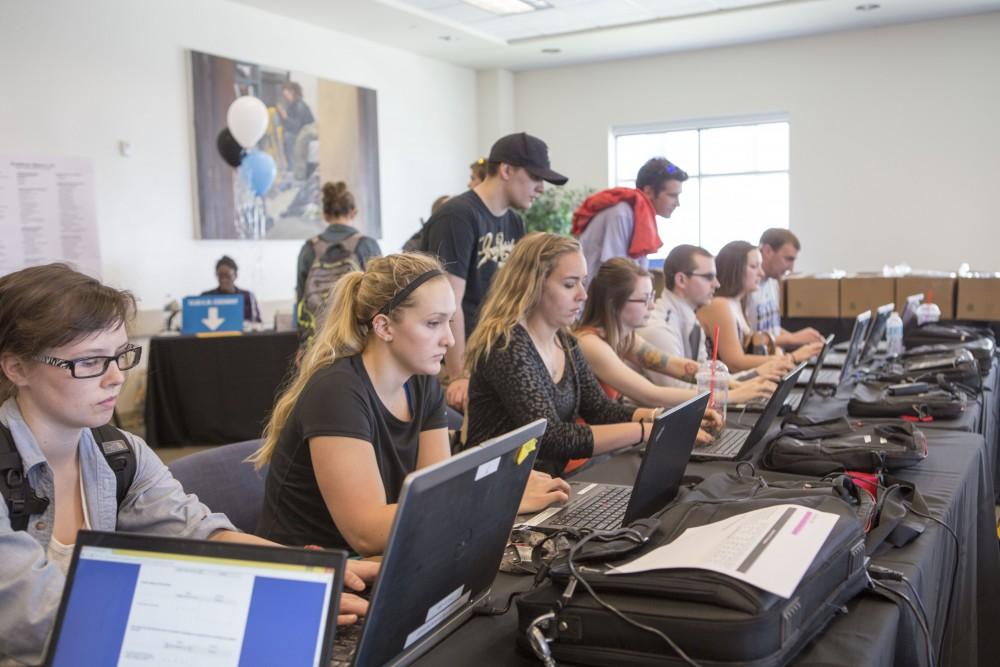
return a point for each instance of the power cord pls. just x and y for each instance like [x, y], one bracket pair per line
[892, 593]
[606, 536]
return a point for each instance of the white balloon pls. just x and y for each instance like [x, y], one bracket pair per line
[247, 120]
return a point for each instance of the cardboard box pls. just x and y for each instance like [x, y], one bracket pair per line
[812, 296]
[865, 291]
[940, 288]
[979, 298]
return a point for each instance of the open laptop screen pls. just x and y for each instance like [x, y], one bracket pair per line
[876, 331]
[183, 602]
[909, 316]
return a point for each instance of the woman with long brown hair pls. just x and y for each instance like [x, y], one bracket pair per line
[365, 410]
[739, 272]
[619, 301]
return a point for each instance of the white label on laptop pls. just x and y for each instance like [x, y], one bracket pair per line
[770, 548]
[883, 441]
[487, 469]
[438, 613]
[868, 440]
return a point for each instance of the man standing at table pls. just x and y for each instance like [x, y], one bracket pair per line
[779, 249]
[474, 232]
[621, 222]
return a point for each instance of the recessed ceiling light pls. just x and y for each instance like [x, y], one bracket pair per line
[868, 7]
[551, 50]
[445, 38]
[504, 7]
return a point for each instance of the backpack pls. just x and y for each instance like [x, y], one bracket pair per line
[332, 262]
[20, 497]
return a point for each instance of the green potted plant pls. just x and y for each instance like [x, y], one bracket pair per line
[553, 210]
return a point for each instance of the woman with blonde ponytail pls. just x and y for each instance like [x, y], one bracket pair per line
[525, 364]
[365, 410]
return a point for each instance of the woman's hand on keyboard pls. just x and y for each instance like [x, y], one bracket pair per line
[352, 607]
[543, 490]
[704, 438]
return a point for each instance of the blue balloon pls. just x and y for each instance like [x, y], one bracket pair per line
[258, 171]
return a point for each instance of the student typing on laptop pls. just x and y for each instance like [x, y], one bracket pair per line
[619, 301]
[365, 410]
[739, 273]
[64, 355]
[525, 365]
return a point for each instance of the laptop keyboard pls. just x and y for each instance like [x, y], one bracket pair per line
[602, 511]
[726, 445]
[345, 644]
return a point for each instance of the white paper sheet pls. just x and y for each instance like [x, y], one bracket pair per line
[769, 548]
[48, 213]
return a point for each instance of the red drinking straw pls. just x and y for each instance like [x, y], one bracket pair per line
[715, 356]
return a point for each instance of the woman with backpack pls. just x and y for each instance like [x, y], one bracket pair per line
[325, 258]
[64, 355]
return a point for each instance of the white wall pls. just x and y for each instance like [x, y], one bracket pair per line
[895, 132]
[79, 76]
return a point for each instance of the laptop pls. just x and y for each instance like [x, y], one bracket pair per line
[909, 315]
[610, 506]
[736, 443]
[797, 397]
[876, 332]
[832, 377]
[133, 599]
[444, 550]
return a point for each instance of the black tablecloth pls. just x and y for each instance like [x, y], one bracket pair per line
[214, 390]
[957, 485]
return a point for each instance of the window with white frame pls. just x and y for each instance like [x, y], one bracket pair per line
[738, 184]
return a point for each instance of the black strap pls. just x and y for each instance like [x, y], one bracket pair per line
[22, 501]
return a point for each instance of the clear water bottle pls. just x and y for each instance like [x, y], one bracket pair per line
[894, 334]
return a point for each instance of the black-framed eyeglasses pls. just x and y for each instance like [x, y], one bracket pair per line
[707, 276]
[92, 367]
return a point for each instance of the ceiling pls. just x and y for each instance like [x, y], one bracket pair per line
[592, 30]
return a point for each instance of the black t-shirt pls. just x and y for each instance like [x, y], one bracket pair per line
[471, 243]
[339, 400]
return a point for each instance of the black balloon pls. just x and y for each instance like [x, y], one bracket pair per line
[230, 151]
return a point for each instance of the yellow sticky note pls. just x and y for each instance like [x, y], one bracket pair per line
[526, 449]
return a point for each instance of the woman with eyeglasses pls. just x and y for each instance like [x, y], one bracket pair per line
[619, 301]
[739, 274]
[365, 410]
[64, 356]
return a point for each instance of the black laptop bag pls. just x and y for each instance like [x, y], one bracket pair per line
[934, 333]
[954, 365]
[839, 445]
[983, 350]
[715, 619]
[941, 400]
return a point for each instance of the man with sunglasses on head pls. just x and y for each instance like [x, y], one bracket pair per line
[689, 283]
[621, 222]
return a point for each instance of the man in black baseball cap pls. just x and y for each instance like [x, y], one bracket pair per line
[474, 232]
[524, 150]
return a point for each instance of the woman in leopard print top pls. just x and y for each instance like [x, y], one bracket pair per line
[524, 364]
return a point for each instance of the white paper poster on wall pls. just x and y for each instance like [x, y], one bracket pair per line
[48, 213]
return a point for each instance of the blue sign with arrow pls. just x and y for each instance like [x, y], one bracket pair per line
[213, 314]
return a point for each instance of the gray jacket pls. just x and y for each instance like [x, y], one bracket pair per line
[30, 586]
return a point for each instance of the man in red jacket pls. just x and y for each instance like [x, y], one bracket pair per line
[621, 222]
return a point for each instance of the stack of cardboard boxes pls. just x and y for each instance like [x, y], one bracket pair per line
[826, 295]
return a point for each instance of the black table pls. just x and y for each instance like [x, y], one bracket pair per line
[957, 485]
[214, 390]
